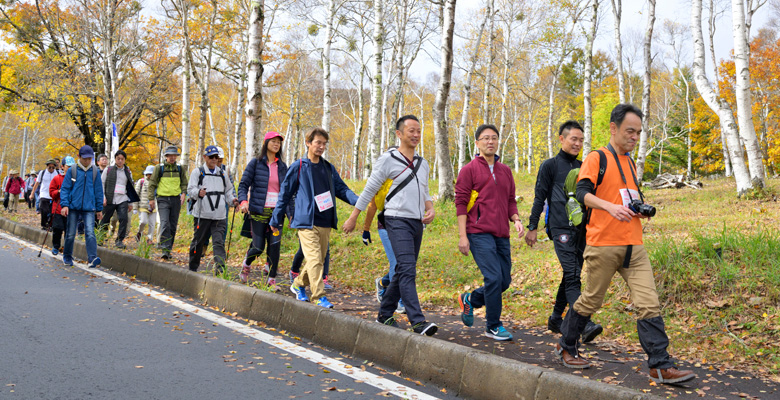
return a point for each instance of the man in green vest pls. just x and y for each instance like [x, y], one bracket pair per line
[168, 185]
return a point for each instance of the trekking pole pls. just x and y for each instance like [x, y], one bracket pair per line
[230, 235]
[46, 236]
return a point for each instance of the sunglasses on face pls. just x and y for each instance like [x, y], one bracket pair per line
[213, 157]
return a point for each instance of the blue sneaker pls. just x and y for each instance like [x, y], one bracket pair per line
[300, 292]
[67, 261]
[95, 262]
[54, 251]
[466, 311]
[498, 334]
[326, 285]
[400, 309]
[323, 302]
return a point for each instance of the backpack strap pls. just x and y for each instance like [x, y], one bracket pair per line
[405, 181]
[602, 171]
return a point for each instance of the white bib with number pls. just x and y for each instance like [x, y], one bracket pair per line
[271, 198]
[324, 201]
[626, 199]
[120, 189]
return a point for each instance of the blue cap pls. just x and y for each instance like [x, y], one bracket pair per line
[69, 161]
[211, 151]
[86, 152]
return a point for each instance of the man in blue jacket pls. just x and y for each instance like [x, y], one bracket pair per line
[81, 197]
[315, 184]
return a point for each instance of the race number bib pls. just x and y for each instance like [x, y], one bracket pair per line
[120, 189]
[324, 201]
[626, 199]
[271, 198]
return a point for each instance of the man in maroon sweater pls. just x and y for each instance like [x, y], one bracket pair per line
[484, 229]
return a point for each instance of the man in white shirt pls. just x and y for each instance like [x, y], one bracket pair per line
[44, 180]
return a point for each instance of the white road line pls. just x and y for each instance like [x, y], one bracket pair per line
[350, 371]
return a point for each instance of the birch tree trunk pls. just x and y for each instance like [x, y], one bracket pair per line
[358, 126]
[505, 83]
[374, 113]
[648, 56]
[464, 116]
[717, 104]
[23, 158]
[185, 96]
[491, 58]
[747, 130]
[446, 188]
[617, 12]
[326, 90]
[254, 105]
[551, 107]
[716, 75]
[590, 38]
[239, 123]
[689, 114]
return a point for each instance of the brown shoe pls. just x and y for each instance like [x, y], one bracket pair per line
[670, 375]
[570, 361]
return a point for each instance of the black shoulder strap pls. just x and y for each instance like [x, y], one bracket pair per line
[602, 167]
[200, 178]
[405, 181]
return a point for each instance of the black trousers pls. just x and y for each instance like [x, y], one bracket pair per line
[45, 212]
[569, 249]
[406, 237]
[263, 239]
[58, 227]
[121, 211]
[205, 229]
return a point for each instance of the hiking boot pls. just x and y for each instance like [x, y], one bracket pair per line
[55, 251]
[266, 269]
[165, 256]
[138, 237]
[323, 302]
[326, 285]
[243, 276]
[499, 333]
[95, 262]
[591, 331]
[554, 323]
[671, 375]
[425, 328]
[380, 290]
[293, 275]
[568, 360]
[389, 321]
[219, 270]
[400, 309]
[120, 245]
[271, 283]
[67, 261]
[300, 292]
[466, 311]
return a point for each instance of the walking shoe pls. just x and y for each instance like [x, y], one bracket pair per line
[266, 269]
[67, 261]
[327, 286]
[120, 245]
[165, 256]
[389, 321]
[54, 251]
[380, 290]
[138, 237]
[670, 375]
[568, 360]
[271, 283]
[591, 331]
[243, 276]
[219, 270]
[425, 328]
[466, 311]
[323, 302]
[400, 309]
[300, 292]
[554, 323]
[499, 333]
[95, 262]
[293, 275]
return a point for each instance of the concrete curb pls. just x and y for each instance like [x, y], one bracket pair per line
[443, 363]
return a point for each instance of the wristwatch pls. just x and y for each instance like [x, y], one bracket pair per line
[531, 227]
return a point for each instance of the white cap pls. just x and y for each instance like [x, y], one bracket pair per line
[221, 153]
[149, 170]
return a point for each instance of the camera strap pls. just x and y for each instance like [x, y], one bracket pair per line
[623, 176]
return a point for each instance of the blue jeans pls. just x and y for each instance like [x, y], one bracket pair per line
[494, 259]
[405, 234]
[390, 257]
[89, 231]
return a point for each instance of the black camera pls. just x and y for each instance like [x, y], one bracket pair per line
[638, 207]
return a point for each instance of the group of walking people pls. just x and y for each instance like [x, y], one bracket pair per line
[588, 207]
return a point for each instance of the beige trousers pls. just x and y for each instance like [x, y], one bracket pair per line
[314, 243]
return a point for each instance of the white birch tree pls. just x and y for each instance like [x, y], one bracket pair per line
[648, 57]
[446, 177]
[254, 105]
[375, 112]
[590, 35]
[617, 13]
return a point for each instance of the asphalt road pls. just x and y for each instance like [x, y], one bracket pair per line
[69, 333]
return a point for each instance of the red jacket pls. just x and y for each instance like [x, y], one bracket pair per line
[54, 192]
[496, 201]
[14, 186]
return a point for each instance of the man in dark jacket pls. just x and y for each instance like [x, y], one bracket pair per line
[81, 196]
[569, 242]
[483, 227]
[315, 184]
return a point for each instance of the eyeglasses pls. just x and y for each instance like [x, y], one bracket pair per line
[214, 156]
[489, 138]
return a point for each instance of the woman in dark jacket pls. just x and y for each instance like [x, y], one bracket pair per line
[258, 193]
